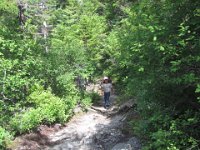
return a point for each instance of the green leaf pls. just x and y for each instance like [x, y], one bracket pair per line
[162, 48]
[198, 89]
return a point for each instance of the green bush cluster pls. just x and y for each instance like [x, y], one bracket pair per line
[156, 60]
[164, 131]
[86, 101]
[47, 109]
[5, 138]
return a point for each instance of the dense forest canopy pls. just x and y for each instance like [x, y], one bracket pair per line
[150, 48]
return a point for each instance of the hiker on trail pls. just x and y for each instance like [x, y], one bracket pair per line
[107, 88]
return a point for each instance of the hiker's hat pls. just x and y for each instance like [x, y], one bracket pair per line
[105, 78]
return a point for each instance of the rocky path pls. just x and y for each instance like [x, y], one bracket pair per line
[98, 129]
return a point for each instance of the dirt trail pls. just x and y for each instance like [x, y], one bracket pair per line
[98, 129]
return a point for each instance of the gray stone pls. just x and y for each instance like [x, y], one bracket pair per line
[135, 143]
[131, 144]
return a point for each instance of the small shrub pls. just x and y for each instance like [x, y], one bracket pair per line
[87, 101]
[52, 108]
[55, 110]
[70, 102]
[162, 131]
[48, 109]
[27, 120]
[5, 138]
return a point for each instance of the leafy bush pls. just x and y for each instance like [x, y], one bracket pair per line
[161, 130]
[87, 101]
[159, 65]
[47, 109]
[27, 120]
[5, 138]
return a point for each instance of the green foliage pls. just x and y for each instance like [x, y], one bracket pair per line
[162, 130]
[52, 108]
[23, 122]
[86, 101]
[8, 11]
[47, 109]
[5, 138]
[78, 39]
[157, 62]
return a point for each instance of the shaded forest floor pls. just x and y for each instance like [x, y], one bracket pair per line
[96, 129]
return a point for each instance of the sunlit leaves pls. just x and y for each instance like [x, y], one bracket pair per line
[159, 53]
